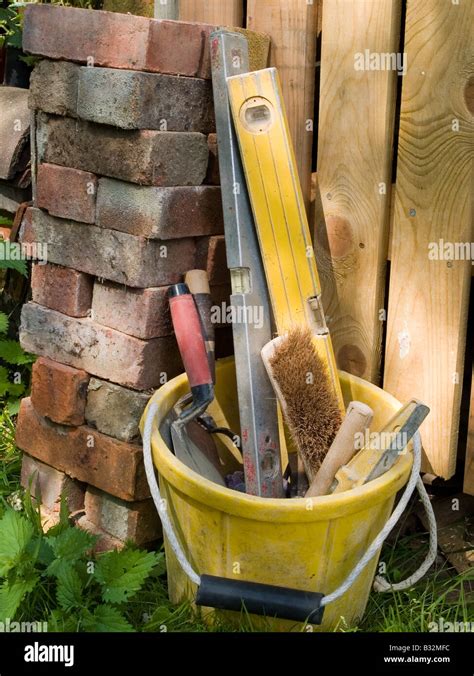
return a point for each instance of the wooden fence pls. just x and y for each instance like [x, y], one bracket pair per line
[394, 173]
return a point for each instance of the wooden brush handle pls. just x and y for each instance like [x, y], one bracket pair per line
[357, 420]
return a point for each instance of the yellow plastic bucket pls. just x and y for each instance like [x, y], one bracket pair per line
[298, 543]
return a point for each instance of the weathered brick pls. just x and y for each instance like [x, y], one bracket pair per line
[212, 175]
[147, 157]
[143, 313]
[211, 256]
[115, 410]
[137, 521]
[100, 351]
[117, 40]
[66, 192]
[109, 254]
[159, 213]
[53, 87]
[100, 38]
[48, 485]
[59, 392]
[62, 289]
[84, 454]
[15, 132]
[132, 100]
[179, 48]
[104, 542]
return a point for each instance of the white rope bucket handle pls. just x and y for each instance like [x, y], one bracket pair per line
[380, 583]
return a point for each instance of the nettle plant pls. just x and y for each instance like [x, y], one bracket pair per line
[15, 363]
[56, 572]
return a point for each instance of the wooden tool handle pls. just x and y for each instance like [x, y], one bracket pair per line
[197, 281]
[189, 336]
[357, 420]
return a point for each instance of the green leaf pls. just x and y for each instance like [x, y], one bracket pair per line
[11, 596]
[13, 389]
[3, 322]
[12, 352]
[11, 258]
[15, 534]
[123, 573]
[61, 622]
[69, 591]
[68, 547]
[106, 618]
[13, 406]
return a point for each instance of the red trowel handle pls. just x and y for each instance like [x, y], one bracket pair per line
[192, 346]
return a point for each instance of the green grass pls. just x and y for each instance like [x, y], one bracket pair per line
[441, 594]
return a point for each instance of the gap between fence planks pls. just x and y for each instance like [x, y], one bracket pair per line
[215, 12]
[469, 467]
[292, 26]
[428, 299]
[357, 109]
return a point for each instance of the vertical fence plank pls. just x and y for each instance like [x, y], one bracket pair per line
[428, 297]
[292, 26]
[217, 12]
[357, 108]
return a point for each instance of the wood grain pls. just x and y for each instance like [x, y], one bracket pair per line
[215, 12]
[292, 26]
[469, 467]
[428, 299]
[356, 117]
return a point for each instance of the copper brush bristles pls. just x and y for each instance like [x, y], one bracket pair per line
[309, 405]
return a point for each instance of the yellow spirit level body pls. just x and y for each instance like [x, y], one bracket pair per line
[279, 211]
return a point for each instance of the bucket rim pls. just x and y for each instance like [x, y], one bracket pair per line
[323, 508]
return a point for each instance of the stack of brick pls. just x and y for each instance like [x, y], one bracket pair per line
[124, 203]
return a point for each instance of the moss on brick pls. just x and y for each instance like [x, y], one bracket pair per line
[139, 7]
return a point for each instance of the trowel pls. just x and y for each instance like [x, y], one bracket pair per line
[191, 443]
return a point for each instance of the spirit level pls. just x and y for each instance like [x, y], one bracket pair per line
[278, 208]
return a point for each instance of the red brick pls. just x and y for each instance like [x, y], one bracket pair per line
[143, 313]
[179, 48]
[137, 521]
[117, 40]
[48, 484]
[108, 39]
[65, 192]
[59, 392]
[62, 289]
[84, 454]
[213, 176]
[211, 256]
[102, 352]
